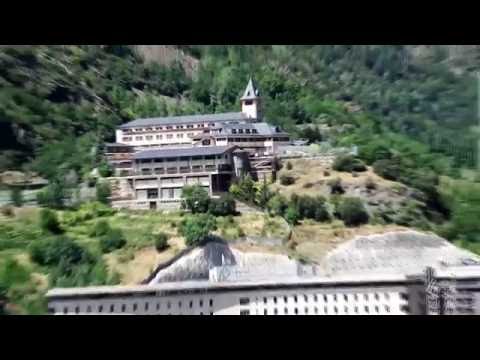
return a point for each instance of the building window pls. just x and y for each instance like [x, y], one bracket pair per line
[315, 298]
[158, 128]
[306, 310]
[234, 131]
[335, 309]
[377, 297]
[295, 298]
[244, 301]
[169, 305]
[265, 312]
[366, 309]
[244, 312]
[179, 135]
[146, 306]
[376, 309]
[345, 297]
[201, 303]
[89, 309]
[65, 310]
[139, 138]
[179, 304]
[149, 137]
[365, 296]
[134, 307]
[335, 297]
[77, 309]
[191, 304]
[345, 309]
[275, 311]
[296, 311]
[355, 297]
[100, 308]
[325, 298]
[285, 311]
[169, 128]
[112, 308]
[355, 309]
[169, 136]
[285, 299]
[325, 310]
[305, 298]
[315, 309]
[189, 126]
[240, 131]
[387, 296]
[123, 308]
[274, 299]
[159, 137]
[264, 300]
[126, 139]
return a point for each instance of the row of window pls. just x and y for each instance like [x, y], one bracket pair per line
[315, 298]
[122, 308]
[182, 169]
[182, 158]
[157, 137]
[317, 310]
[247, 131]
[168, 127]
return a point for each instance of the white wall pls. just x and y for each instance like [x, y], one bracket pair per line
[384, 300]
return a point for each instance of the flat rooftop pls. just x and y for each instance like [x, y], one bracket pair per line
[185, 119]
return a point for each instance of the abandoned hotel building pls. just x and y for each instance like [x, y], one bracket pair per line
[154, 158]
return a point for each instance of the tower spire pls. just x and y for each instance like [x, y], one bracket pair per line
[251, 101]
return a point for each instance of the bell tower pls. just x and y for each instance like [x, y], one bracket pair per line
[252, 102]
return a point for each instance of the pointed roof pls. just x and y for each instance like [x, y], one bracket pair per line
[251, 91]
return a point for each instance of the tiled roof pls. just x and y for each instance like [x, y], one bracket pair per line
[178, 152]
[251, 91]
[185, 119]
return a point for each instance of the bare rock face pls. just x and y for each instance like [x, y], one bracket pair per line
[195, 265]
[406, 252]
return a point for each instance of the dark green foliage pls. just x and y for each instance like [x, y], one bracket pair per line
[292, 215]
[100, 228]
[352, 212]
[289, 165]
[277, 205]
[53, 195]
[286, 180]
[312, 134]
[7, 210]
[336, 186]
[103, 192]
[58, 250]
[16, 196]
[49, 221]
[311, 207]
[195, 199]
[348, 163]
[244, 189]
[161, 241]
[223, 206]
[196, 228]
[388, 169]
[370, 184]
[104, 169]
[112, 240]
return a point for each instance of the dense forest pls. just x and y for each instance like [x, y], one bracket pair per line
[413, 121]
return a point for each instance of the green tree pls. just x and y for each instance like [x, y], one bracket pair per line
[286, 180]
[195, 198]
[16, 196]
[55, 250]
[103, 192]
[223, 206]
[161, 241]
[53, 196]
[352, 212]
[112, 240]
[348, 163]
[292, 215]
[277, 205]
[49, 221]
[104, 169]
[196, 228]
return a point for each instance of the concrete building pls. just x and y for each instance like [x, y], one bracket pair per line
[156, 177]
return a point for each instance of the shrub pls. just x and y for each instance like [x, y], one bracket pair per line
[100, 228]
[326, 173]
[389, 169]
[348, 163]
[370, 184]
[195, 198]
[244, 189]
[292, 215]
[104, 169]
[112, 240]
[161, 241]
[277, 205]
[336, 186]
[56, 250]
[103, 192]
[289, 165]
[7, 211]
[16, 196]
[49, 221]
[196, 228]
[286, 180]
[223, 206]
[53, 195]
[352, 212]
